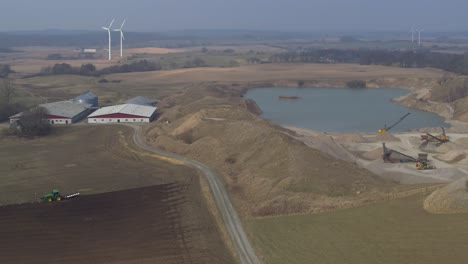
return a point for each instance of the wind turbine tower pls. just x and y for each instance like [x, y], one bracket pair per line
[110, 38]
[122, 37]
[419, 36]
[412, 34]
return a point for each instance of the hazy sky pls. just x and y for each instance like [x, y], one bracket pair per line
[283, 15]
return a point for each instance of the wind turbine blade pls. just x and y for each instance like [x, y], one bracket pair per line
[116, 30]
[111, 23]
[122, 35]
[123, 23]
[105, 28]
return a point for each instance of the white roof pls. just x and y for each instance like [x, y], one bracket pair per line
[129, 109]
[65, 108]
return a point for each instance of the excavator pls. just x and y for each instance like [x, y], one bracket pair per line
[385, 129]
[439, 139]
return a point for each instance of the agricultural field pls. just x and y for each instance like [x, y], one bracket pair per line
[133, 207]
[397, 231]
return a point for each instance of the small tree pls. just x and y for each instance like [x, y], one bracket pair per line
[87, 69]
[356, 84]
[34, 122]
[7, 91]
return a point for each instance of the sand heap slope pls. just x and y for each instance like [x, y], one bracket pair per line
[267, 170]
[452, 198]
[144, 225]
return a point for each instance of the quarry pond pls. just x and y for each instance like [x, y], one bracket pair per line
[340, 109]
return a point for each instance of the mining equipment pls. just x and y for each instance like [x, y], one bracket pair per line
[423, 163]
[56, 196]
[385, 129]
[393, 156]
[439, 139]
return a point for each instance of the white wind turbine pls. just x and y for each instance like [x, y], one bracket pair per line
[122, 38]
[412, 31]
[110, 38]
[419, 36]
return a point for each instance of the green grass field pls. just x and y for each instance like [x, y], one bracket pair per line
[398, 231]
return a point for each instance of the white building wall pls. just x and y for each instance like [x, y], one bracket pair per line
[98, 120]
[60, 121]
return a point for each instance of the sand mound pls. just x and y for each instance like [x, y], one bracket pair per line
[373, 154]
[190, 123]
[452, 156]
[386, 137]
[452, 198]
[259, 162]
[447, 147]
[351, 138]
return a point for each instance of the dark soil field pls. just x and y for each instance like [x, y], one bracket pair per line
[133, 208]
[143, 225]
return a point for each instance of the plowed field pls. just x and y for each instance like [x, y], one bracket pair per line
[141, 225]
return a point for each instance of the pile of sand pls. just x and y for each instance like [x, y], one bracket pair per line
[386, 137]
[452, 198]
[452, 156]
[447, 147]
[351, 139]
[373, 154]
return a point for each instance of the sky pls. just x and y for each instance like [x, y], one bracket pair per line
[271, 15]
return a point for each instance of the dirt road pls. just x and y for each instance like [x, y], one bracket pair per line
[233, 224]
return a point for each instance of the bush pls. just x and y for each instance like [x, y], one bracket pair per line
[356, 84]
[34, 122]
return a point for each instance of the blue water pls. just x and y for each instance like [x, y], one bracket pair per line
[340, 109]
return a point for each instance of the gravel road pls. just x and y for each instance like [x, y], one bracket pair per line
[233, 224]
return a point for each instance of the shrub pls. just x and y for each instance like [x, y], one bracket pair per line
[356, 84]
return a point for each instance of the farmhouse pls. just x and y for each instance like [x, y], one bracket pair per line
[124, 113]
[62, 113]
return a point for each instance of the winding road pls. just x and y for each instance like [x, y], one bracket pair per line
[233, 224]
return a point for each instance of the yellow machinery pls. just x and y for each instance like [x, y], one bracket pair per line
[385, 129]
[440, 139]
[424, 165]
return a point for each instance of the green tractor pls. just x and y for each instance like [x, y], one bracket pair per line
[53, 196]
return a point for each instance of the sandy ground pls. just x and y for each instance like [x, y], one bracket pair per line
[153, 50]
[366, 150]
[277, 72]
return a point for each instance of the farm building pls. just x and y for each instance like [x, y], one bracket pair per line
[62, 113]
[141, 100]
[87, 98]
[124, 113]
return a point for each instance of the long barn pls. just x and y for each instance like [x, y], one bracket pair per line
[124, 113]
[62, 113]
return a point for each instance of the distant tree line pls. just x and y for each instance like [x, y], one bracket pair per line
[90, 69]
[7, 50]
[456, 63]
[58, 56]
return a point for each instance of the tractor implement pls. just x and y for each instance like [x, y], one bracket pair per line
[56, 196]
